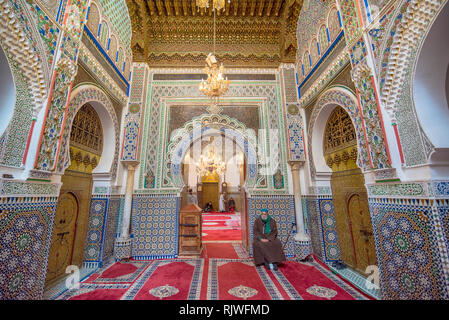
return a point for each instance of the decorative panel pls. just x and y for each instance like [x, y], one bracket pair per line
[154, 227]
[25, 235]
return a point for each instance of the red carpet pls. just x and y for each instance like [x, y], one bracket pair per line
[100, 294]
[170, 280]
[311, 283]
[222, 235]
[219, 227]
[219, 250]
[215, 218]
[224, 272]
[239, 279]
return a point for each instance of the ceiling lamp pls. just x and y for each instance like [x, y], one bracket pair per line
[210, 164]
[216, 84]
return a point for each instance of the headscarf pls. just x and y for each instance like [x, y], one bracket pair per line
[266, 222]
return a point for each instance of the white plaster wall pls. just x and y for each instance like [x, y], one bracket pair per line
[430, 82]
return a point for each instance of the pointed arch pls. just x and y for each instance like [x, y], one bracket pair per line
[82, 94]
[326, 103]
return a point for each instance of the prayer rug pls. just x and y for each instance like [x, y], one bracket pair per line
[236, 279]
[94, 291]
[178, 279]
[311, 281]
[220, 250]
[120, 272]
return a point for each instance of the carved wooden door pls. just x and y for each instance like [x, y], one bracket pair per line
[63, 236]
[362, 233]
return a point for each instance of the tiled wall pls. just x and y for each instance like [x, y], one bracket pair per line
[101, 233]
[25, 234]
[154, 226]
[282, 209]
[321, 227]
[409, 243]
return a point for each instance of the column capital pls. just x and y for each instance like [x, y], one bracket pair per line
[295, 165]
[130, 165]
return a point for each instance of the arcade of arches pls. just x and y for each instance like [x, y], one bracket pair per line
[331, 121]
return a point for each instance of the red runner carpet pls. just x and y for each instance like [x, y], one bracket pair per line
[224, 271]
[223, 226]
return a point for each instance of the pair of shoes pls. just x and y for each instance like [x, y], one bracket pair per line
[275, 267]
[267, 265]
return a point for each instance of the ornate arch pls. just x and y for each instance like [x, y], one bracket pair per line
[81, 95]
[332, 97]
[405, 38]
[19, 42]
[210, 124]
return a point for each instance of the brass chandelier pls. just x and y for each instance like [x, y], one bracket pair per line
[216, 84]
[210, 164]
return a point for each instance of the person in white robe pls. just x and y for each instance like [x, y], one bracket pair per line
[222, 203]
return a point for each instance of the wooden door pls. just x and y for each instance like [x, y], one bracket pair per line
[360, 221]
[210, 193]
[63, 235]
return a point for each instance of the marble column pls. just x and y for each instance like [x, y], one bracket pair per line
[123, 244]
[300, 230]
[128, 200]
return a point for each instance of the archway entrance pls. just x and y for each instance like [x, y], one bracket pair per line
[353, 222]
[72, 212]
[213, 169]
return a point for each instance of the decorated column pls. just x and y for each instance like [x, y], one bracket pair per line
[300, 230]
[123, 243]
[51, 136]
[130, 154]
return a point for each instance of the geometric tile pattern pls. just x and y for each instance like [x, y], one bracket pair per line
[95, 232]
[25, 236]
[110, 229]
[154, 226]
[314, 226]
[328, 225]
[407, 249]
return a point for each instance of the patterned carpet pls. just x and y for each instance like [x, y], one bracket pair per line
[224, 272]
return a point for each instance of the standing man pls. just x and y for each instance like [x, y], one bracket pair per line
[267, 248]
[222, 203]
[191, 198]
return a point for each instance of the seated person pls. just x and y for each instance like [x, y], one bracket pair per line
[267, 248]
[208, 207]
[231, 205]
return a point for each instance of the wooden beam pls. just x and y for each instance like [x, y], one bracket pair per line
[227, 8]
[159, 5]
[152, 7]
[185, 5]
[168, 7]
[177, 4]
[193, 6]
[277, 7]
[253, 7]
[261, 7]
[269, 7]
[236, 7]
[244, 5]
